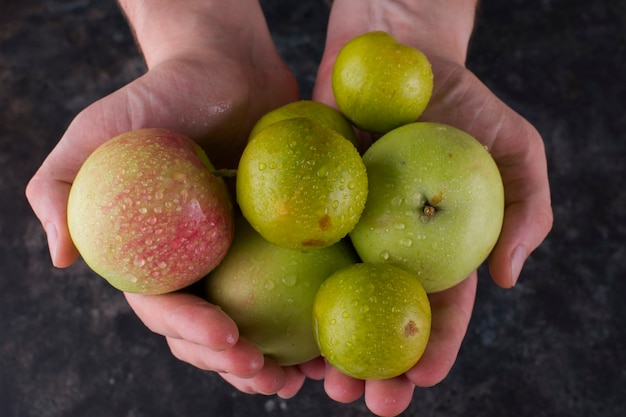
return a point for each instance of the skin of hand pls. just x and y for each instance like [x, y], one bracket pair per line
[212, 82]
[442, 30]
[214, 90]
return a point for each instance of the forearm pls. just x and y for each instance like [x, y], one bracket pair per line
[165, 28]
[437, 27]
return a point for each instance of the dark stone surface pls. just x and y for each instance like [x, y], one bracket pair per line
[553, 346]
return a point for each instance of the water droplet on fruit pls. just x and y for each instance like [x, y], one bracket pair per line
[159, 195]
[272, 165]
[351, 185]
[262, 166]
[269, 285]
[335, 204]
[397, 201]
[384, 255]
[139, 261]
[333, 321]
[345, 315]
[406, 243]
[289, 280]
[162, 265]
[133, 279]
[323, 171]
[399, 226]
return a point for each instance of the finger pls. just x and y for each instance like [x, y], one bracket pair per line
[342, 388]
[269, 380]
[451, 312]
[48, 199]
[48, 190]
[294, 380]
[528, 214]
[187, 317]
[314, 369]
[389, 397]
[242, 360]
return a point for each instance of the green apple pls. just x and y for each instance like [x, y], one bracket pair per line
[147, 214]
[310, 109]
[269, 291]
[435, 205]
[300, 184]
[379, 83]
[372, 321]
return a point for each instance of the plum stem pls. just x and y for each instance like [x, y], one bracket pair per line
[225, 173]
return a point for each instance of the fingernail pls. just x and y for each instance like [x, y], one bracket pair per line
[51, 233]
[517, 262]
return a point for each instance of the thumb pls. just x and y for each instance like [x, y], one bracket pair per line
[47, 194]
[48, 190]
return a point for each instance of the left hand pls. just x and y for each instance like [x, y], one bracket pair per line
[459, 99]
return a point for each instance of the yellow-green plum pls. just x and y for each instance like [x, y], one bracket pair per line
[310, 109]
[372, 321]
[380, 84]
[147, 214]
[435, 204]
[300, 184]
[269, 291]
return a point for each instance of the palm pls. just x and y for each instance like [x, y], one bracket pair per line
[461, 100]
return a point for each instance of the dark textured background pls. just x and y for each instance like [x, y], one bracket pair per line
[553, 346]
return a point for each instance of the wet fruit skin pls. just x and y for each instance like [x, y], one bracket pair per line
[301, 185]
[372, 321]
[147, 214]
[268, 291]
[314, 110]
[435, 205]
[380, 84]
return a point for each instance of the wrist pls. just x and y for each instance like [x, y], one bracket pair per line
[165, 28]
[440, 29]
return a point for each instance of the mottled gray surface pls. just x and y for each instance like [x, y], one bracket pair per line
[553, 346]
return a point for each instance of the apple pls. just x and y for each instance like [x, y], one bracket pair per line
[372, 321]
[435, 204]
[300, 184]
[269, 291]
[380, 84]
[314, 110]
[147, 214]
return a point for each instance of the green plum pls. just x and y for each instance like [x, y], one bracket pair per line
[314, 110]
[372, 321]
[380, 84]
[300, 184]
[269, 291]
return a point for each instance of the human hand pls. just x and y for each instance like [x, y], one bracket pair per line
[212, 83]
[461, 100]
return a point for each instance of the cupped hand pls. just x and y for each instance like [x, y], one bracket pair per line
[459, 99]
[214, 96]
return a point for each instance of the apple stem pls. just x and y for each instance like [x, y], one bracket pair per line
[225, 173]
[429, 212]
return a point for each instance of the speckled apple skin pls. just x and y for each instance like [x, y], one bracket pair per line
[147, 214]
